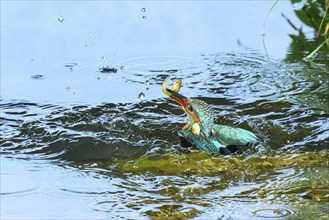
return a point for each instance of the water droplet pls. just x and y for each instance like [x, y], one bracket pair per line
[147, 82]
[71, 69]
[90, 34]
[147, 89]
[37, 76]
[144, 17]
[122, 68]
[68, 88]
[32, 60]
[70, 64]
[99, 78]
[103, 58]
[73, 93]
[61, 19]
[141, 96]
[143, 10]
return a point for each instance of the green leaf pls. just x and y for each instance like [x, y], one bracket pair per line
[317, 49]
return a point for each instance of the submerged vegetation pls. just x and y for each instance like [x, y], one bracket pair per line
[203, 164]
[296, 180]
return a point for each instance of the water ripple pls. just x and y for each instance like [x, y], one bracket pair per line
[130, 149]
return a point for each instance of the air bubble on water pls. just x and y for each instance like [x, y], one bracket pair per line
[143, 9]
[141, 96]
[61, 19]
[122, 68]
[68, 88]
[147, 82]
[144, 17]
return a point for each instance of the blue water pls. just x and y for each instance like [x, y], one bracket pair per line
[79, 143]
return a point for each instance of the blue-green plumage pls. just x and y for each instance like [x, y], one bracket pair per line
[202, 132]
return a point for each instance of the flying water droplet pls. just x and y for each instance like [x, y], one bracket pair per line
[122, 68]
[147, 82]
[144, 17]
[71, 69]
[141, 96]
[143, 9]
[72, 64]
[37, 76]
[68, 88]
[61, 19]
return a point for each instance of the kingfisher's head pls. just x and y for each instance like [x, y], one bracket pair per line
[200, 115]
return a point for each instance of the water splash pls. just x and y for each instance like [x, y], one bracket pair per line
[60, 18]
[141, 96]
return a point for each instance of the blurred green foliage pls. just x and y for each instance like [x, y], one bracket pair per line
[314, 14]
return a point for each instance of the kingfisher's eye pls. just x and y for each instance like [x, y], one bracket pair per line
[189, 107]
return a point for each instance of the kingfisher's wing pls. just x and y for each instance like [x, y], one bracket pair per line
[202, 144]
[227, 135]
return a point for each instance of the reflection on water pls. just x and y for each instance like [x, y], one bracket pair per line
[123, 159]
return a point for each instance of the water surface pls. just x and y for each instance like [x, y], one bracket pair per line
[82, 143]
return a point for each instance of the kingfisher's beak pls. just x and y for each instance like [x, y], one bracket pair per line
[183, 101]
[180, 99]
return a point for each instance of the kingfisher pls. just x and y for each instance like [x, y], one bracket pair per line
[201, 130]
